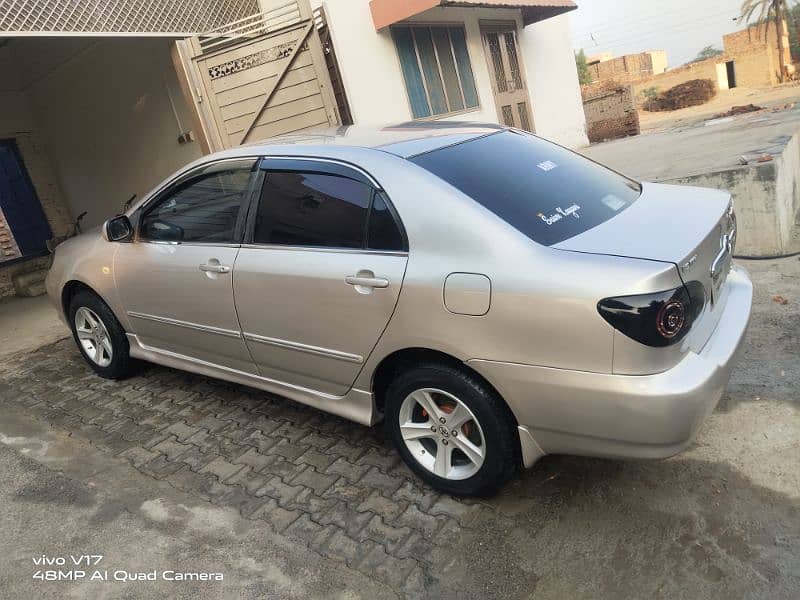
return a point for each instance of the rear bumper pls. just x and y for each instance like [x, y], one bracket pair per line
[619, 416]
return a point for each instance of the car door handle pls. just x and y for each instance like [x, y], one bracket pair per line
[215, 268]
[367, 282]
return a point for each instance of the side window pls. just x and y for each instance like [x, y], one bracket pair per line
[204, 208]
[382, 231]
[312, 209]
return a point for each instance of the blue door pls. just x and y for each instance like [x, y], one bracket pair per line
[19, 203]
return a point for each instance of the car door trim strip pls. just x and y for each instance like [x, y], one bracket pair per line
[327, 352]
[186, 324]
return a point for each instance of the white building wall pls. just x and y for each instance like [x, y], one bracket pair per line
[370, 66]
[377, 94]
[553, 82]
[106, 119]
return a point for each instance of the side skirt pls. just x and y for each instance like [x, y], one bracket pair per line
[356, 405]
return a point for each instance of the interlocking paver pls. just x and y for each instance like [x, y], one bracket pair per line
[387, 508]
[250, 480]
[195, 458]
[348, 470]
[391, 537]
[181, 430]
[319, 460]
[138, 455]
[416, 519]
[160, 467]
[289, 450]
[331, 484]
[222, 468]
[253, 458]
[375, 479]
[170, 447]
[279, 518]
[311, 478]
[280, 491]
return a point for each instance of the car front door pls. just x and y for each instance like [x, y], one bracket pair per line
[320, 273]
[175, 278]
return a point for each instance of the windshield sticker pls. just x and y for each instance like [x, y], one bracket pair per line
[560, 214]
[614, 203]
[547, 165]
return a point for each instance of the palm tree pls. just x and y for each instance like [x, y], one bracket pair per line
[769, 10]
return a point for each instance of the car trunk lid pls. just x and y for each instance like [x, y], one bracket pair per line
[686, 226]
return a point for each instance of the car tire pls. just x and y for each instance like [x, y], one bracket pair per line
[94, 326]
[470, 447]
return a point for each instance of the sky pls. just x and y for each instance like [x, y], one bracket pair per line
[681, 27]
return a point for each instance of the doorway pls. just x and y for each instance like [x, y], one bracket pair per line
[730, 68]
[507, 72]
[25, 228]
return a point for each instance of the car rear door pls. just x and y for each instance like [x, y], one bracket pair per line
[319, 274]
[175, 279]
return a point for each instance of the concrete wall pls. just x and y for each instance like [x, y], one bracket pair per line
[767, 198]
[374, 82]
[106, 117]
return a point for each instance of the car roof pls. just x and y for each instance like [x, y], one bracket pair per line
[404, 139]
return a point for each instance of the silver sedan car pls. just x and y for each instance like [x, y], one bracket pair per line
[491, 296]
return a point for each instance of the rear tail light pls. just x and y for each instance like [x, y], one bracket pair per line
[659, 319]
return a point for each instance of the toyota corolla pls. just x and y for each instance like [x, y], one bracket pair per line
[491, 296]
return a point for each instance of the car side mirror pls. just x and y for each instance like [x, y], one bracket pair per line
[118, 229]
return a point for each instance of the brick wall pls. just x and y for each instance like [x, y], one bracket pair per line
[753, 51]
[611, 113]
[8, 245]
[623, 70]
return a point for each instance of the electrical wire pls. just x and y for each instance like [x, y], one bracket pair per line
[586, 39]
[636, 22]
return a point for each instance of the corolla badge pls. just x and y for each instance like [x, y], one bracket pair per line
[560, 214]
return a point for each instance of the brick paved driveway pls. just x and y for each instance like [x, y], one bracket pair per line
[705, 524]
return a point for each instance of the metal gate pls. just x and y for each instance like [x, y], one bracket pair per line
[258, 77]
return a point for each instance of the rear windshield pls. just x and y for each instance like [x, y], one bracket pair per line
[547, 192]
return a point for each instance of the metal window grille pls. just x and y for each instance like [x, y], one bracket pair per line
[120, 16]
[436, 69]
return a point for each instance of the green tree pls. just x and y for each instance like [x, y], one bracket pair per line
[584, 75]
[764, 11]
[707, 52]
[794, 31]
[651, 95]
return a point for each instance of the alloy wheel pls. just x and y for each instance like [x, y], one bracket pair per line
[442, 434]
[93, 337]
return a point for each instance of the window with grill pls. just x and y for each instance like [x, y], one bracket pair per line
[436, 69]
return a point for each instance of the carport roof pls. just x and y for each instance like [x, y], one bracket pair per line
[389, 12]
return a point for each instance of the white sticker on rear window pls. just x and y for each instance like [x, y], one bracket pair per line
[614, 203]
[547, 165]
[560, 214]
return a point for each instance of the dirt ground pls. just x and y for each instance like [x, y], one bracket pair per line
[171, 471]
[724, 101]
